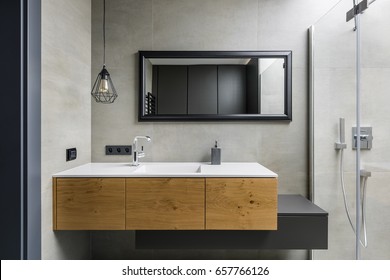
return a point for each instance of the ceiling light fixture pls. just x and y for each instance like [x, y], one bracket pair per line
[103, 89]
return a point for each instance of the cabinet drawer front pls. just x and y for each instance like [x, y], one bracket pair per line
[165, 203]
[89, 203]
[241, 203]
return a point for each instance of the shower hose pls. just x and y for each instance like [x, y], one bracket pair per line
[363, 185]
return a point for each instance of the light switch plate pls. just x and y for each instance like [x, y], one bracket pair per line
[71, 154]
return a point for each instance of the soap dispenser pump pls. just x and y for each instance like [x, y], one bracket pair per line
[216, 155]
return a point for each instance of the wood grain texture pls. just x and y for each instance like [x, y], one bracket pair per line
[165, 203]
[90, 204]
[241, 203]
[54, 194]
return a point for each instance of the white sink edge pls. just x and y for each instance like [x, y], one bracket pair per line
[204, 169]
[169, 169]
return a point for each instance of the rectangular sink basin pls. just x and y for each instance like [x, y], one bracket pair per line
[168, 168]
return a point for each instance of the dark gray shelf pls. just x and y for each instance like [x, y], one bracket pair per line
[294, 204]
[301, 225]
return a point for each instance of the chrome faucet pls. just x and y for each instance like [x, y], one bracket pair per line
[138, 154]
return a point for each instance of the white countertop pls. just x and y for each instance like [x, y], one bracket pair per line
[169, 169]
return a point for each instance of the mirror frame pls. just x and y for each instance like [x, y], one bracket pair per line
[286, 55]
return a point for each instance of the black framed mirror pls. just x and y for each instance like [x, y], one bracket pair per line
[214, 85]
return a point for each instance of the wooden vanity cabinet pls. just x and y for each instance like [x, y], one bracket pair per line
[241, 203]
[89, 203]
[165, 203]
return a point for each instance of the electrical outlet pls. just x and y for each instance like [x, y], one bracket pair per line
[71, 154]
[116, 150]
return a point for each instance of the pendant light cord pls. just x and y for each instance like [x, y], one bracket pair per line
[104, 32]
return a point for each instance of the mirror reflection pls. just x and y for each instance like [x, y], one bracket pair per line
[215, 87]
[271, 85]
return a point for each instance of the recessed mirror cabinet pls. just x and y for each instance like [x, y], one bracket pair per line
[214, 85]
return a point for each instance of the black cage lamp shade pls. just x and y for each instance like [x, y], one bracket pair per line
[103, 89]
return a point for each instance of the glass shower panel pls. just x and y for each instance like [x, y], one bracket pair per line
[334, 97]
[375, 112]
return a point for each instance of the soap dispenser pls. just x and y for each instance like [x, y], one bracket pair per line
[216, 155]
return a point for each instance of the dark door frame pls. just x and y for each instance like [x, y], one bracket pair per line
[20, 126]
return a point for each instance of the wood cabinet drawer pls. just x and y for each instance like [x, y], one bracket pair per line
[89, 203]
[241, 203]
[165, 203]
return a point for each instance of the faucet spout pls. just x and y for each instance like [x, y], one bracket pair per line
[138, 154]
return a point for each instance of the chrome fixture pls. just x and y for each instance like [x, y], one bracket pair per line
[138, 154]
[358, 8]
[103, 89]
[340, 145]
[365, 138]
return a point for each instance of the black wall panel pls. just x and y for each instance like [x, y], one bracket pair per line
[172, 89]
[252, 81]
[202, 89]
[10, 127]
[231, 89]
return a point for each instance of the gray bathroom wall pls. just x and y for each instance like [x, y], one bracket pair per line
[66, 110]
[335, 97]
[202, 25]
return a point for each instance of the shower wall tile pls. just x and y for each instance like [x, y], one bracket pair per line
[66, 111]
[283, 25]
[375, 112]
[333, 99]
[378, 227]
[328, 195]
[234, 146]
[375, 42]
[205, 25]
[334, 39]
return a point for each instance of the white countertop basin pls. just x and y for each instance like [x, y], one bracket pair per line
[172, 168]
[169, 169]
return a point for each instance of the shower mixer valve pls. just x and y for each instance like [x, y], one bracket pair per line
[365, 138]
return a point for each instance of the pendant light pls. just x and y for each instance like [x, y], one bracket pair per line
[103, 89]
